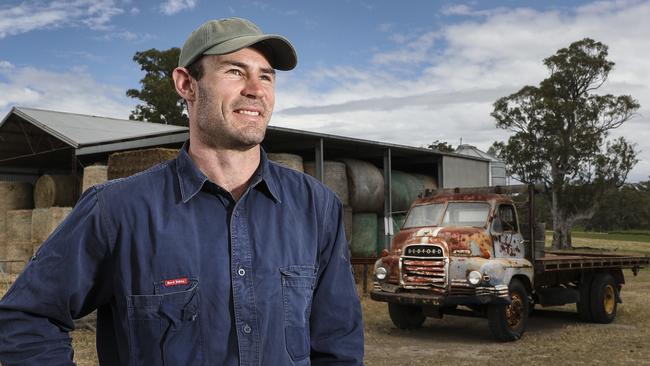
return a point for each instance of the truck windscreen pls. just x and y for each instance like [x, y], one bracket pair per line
[466, 214]
[424, 215]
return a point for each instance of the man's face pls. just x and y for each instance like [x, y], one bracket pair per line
[235, 99]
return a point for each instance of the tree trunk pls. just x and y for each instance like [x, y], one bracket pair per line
[561, 224]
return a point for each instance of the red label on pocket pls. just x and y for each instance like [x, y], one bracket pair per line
[177, 282]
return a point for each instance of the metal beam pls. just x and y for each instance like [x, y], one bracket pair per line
[133, 144]
[388, 199]
[318, 161]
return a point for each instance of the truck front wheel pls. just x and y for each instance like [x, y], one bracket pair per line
[508, 322]
[406, 317]
[603, 298]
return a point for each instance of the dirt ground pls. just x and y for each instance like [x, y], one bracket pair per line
[555, 336]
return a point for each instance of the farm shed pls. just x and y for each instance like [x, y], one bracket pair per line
[35, 142]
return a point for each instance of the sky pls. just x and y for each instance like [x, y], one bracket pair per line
[407, 72]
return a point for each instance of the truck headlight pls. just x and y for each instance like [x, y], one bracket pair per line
[380, 273]
[474, 277]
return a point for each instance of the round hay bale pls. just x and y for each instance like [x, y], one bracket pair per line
[54, 190]
[427, 181]
[127, 163]
[366, 186]
[16, 196]
[405, 188]
[364, 235]
[45, 220]
[289, 160]
[19, 225]
[20, 252]
[93, 175]
[335, 177]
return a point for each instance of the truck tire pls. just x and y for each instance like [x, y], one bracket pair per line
[508, 322]
[406, 317]
[584, 305]
[603, 298]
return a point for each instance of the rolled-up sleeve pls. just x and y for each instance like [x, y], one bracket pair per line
[336, 321]
[65, 280]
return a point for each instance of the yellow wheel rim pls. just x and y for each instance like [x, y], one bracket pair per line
[609, 300]
[514, 311]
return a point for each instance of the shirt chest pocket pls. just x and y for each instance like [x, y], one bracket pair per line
[297, 290]
[165, 329]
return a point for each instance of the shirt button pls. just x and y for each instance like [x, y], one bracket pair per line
[241, 272]
[247, 329]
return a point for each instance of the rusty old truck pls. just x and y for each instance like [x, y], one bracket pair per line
[465, 252]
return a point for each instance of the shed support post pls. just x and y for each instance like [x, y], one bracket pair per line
[75, 178]
[318, 161]
[441, 176]
[388, 205]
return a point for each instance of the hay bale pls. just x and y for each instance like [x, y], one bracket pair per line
[45, 220]
[127, 163]
[336, 178]
[3, 251]
[54, 190]
[405, 188]
[427, 181]
[19, 225]
[3, 225]
[289, 160]
[19, 251]
[93, 175]
[16, 196]
[363, 242]
[366, 186]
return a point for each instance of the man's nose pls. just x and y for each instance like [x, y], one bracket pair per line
[253, 88]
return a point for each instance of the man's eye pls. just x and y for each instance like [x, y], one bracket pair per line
[235, 72]
[266, 78]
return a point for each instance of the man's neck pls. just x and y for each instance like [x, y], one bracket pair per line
[232, 170]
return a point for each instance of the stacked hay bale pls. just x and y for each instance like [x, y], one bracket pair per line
[289, 160]
[124, 164]
[93, 175]
[13, 196]
[335, 177]
[366, 190]
[54, 190]
[19, 244]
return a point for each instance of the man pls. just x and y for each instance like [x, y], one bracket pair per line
[218, 257]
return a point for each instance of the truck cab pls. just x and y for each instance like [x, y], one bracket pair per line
[457, 249]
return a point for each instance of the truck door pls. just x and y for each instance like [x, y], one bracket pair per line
[508, 242]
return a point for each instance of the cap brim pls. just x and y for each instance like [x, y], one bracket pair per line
[282, 54]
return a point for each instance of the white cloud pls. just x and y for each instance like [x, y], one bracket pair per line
[171, 7]
[128, 36]
[73, 91]
[459, 70]
[29, 16]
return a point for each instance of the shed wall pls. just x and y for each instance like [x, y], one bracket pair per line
[460, 172]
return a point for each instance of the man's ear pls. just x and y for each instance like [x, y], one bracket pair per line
[183, 83]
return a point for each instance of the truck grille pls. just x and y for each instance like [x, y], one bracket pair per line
[423, 271]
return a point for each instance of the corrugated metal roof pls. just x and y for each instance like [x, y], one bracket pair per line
[80, 130]
[470, 150]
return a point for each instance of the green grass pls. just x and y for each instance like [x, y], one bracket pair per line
[636, 235]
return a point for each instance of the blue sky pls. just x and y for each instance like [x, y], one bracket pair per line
[404, 72]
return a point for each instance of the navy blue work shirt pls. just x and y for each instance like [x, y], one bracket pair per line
[182, 274]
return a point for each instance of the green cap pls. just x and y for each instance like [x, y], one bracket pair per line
[223, 36]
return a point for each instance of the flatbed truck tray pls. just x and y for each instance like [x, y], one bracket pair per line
[569, 260]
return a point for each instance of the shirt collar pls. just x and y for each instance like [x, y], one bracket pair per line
[191, 179]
